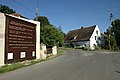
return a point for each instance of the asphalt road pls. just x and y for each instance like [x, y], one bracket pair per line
[73, 65]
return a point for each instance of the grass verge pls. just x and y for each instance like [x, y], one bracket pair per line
[63, 48]
[60, 52]
[14, 66]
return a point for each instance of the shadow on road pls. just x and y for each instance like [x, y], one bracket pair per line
[117, 71]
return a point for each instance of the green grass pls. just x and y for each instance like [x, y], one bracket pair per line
[14, 66]
[60, 52]
[64, 48]
[11, 67]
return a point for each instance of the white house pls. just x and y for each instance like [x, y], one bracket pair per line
[88, 37]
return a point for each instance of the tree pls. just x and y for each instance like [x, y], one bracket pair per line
[110, 42]
[6, 9]
[49, 34]
[116, 31]
[43, 21]
[60, 37]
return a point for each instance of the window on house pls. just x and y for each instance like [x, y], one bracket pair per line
[99, 38]
[95, 38]
[97, 32]
[85, 45]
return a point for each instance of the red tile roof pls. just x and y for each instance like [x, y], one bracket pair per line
[80, 34]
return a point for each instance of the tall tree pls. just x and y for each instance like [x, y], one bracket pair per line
[6, 9]
[110, 42]
[116, 31]
[43, 20]
[49, 34]
[60, 37]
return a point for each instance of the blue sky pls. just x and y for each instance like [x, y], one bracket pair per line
[70, 14]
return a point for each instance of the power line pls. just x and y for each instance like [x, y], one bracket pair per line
[105, 25]
[24, 6]
[82, 10]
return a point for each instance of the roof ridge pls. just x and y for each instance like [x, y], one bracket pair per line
[90, 26]
[83, 28]
[83, 33]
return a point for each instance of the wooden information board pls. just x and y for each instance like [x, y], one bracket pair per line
[20, 38]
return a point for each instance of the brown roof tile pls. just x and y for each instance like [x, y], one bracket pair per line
[80, 34]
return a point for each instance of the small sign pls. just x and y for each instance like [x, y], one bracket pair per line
[33, 53]
[10, 56]
[22, 54]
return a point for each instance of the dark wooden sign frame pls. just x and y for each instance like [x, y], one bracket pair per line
[20, 40]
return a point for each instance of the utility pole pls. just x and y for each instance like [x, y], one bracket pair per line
[36, 14]
[109, 33]
[37, 10]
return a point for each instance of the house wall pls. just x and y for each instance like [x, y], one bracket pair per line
[79, 44]
[95, 42]
[83, 44]
[2, 38]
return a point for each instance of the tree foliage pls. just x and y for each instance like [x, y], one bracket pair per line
[60, 37]
[49, 34]
[116, 31]
[110, 42]
[6, 9]
[43, 21]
